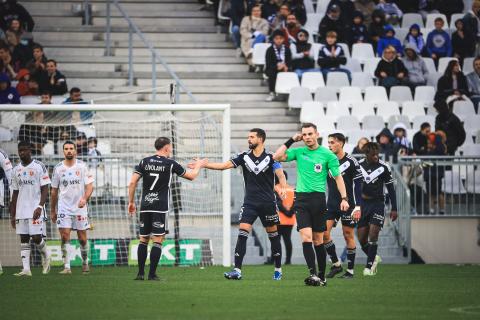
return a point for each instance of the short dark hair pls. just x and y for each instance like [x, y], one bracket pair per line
[68, 142]
[74, 89]
[338, 136]
[477, 58]
[439, 19]
[92, 139]
[161, 142]
[37, 46]
[260, 133]
[51, 60]
[309, 125]
[424, 125]
[44, 92]
[24, 143]
[4, 46]
[371, 146]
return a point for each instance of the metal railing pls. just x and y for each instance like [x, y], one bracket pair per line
[442, 185]
[402, 226]
[155, 56]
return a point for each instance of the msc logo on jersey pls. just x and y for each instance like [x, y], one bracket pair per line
[318, 167]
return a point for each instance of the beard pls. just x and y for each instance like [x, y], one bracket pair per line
[252, 146]
[69, 157]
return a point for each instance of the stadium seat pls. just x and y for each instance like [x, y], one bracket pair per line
[58, 99]
[313, 21]
[12, 119]
[362, 109]
[297, 96]
[104, 147]
[350, 94]
[346, 50]
[467, 65]
[432, 79]
[286, 81]
[311, 111]
[348, 147]
[464, 109]
[312, 81]
[325, 94]
[387, 109]
[355, 135]
[5, 134]
[471, 124]
[88, 130]
[413, 109]
[48, 148]
[326, 125]
[370, 65]
[443, 63]
[30, 100]
[430, 66]
[362, 80]
[401, 33]
[316, 50]
[418, 120]
[472, 150]
[400, 94]
[258, 55]
[376, 94]
[309, 6]
[424, 94]
[472, 183]
[322, 6]
[337, 80]
[431, 111]
[337, 109]
[353, 65]
[454, 18]
[394, 119]
[362, 51]
[430, 23]
[347, 123]
[373, 123]
[452, 183]
[411, 18]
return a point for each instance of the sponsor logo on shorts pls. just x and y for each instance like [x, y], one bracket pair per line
[151, 197]
[142, 224]
[378, 217]
[158, 225]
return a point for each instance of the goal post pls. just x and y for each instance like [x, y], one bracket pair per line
[126, 134]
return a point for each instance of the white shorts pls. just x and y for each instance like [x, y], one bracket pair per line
[30, 226]
[73, 222]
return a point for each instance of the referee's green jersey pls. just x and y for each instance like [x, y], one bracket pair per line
[313, 167]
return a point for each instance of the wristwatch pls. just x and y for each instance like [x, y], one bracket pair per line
[345, 198]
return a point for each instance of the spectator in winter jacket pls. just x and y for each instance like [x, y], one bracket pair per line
[452, 86]
[425, 7]
[10, 66]
[254, 29]
[8, 95]
[400, 138]
[270, 10]
[38, 65]
[298, 9]
[332, 22]
[10, 10]
[55, 81]
[388, 39]
[417, 69]
[393, 14]
[358, 32]
[449, 7]
[473, 79]
[331, 56]
[347, 8]
[366, 7]
[302, 54]
[438, 42]
[277, 59]
[280, 20]
[22, 86]
[449, 123]
[291, 29]
[376, 27]
[420, 139]
[390, 70]
[463, 43]
[387, 147]
[472, 23]
[415, 38]
[13, 34]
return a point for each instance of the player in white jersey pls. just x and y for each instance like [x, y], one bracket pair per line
[72, 186]
[30, 182]
[5, 176]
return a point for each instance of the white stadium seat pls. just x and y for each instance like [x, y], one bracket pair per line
[322, 6]
[259, 52]
[467, 65]
[430, 23]
[5, 134]
[376, 94]
[347, 123]
[311, 111]
[337, 79]
[362, 109]
[325, 94]
[394, 119]
[30, 100]
[370, 65]
[443, 63]
[316, 50]
[432, 79]
[424, 94]
[413, 109]
[472, 183]
[400, 94]
[452, 183]
[430, 64]
[286, 81]
[312, 81]
[337, 109]
[472, 124]
[353, 65]
[362, 80]
[464, 109]
[387, 109]
[454, 18]
[350, 94]
[418, 120]
[362, 51]
[411, 18]
[297, 96]
[373, 123]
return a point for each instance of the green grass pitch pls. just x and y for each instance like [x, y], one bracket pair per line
[397, 292]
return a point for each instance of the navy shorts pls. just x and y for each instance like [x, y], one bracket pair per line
[373, 212]
[152, 223]
[345, 216]
[310, 210]
[267, 212]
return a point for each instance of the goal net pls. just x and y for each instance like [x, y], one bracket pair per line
[112, 139]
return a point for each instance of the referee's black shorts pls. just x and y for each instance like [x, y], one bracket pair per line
[310, 209]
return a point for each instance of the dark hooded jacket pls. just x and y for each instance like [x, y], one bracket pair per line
[390, 150]
[357, 32]
[12, 10]
[449, 123]
[376, 29]
[297, 48]
[9, 95]
[386, 41]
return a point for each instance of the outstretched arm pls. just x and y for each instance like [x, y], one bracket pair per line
[280, 154]
[214, 165]
[195, 169]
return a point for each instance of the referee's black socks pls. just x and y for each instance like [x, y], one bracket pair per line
[309, 255]
[322, 260]
[155, 255]
[142, 257]
[241, 248]
[276, 248]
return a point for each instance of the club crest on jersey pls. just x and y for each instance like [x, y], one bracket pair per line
[31, 173]
[77, 173]
[318, 167]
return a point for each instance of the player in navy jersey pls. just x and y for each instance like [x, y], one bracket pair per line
[259, 171]
[157, 172]
[376, 174]
[352, 175]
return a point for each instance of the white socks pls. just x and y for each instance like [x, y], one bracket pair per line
[84, 253]
[42, 246]
[25, 254]
[65, 255]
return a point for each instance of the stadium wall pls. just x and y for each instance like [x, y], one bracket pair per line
[446, 239]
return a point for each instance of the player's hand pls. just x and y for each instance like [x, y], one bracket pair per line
[13, 223]
[356, 214]
[53, 216]
[82, 203]
[297, 137]
[344, 205]
[283, 192]
[131, 208]
[393, 215]
[37, 213]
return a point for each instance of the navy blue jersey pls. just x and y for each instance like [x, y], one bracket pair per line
[259, 176]
[157, 173]
[375, 177]
[350, 171]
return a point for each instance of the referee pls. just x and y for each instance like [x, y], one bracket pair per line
[313, 164]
